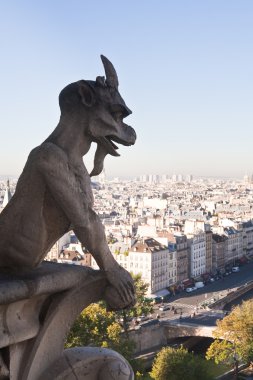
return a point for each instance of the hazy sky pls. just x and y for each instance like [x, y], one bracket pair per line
[185, 69]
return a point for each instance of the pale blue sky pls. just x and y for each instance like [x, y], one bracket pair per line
[185, 69]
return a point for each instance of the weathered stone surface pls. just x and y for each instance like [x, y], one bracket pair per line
[89, 363]
[38, 304]
[53, 194]
[34, 324]
[47, 278]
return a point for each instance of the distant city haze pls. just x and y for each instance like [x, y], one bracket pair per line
[185, 70]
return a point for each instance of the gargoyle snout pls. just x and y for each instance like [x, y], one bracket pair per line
[130, 134]
[133, 134]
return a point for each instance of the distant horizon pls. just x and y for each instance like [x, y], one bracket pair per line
[16, 176]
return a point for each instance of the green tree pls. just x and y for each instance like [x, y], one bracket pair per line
[97, 327]
[91, 327]
[236, 332]
[143, 305]
[221, 351]
[179, 364]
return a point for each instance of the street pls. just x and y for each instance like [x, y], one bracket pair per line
[188, 303]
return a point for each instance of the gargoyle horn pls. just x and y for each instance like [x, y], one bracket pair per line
[110, 73]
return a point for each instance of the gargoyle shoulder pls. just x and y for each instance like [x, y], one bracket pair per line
[47, 155]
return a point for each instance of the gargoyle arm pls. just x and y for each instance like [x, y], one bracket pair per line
[67, 191]
[64, 186]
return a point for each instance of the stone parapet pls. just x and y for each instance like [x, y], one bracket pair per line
[37, 309]
[231, 296]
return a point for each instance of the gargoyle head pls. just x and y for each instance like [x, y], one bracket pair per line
[104, 109]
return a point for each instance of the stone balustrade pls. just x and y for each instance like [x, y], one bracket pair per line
[231, 296]
[37, 310]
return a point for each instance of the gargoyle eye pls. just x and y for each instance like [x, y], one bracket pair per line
[119, 111]
[118, 116]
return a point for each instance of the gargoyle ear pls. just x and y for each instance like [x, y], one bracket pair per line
[101, 81]
[87, 93]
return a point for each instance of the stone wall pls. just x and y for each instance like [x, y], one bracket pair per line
[147, 338]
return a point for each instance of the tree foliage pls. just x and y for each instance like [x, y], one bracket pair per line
[236, 330]
[221, 351]
[91, 327]
[143, 305]
[97, 327]
[179, 364]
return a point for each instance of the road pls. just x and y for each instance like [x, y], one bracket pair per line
[188, 302]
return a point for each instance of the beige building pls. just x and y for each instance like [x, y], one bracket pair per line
[177, 243]
[197, 250]
[153, 260]
[234, 245]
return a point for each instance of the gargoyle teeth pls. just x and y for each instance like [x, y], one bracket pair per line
[108, 145]
[113, 144]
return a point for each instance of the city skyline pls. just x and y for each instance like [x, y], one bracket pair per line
[184, 69]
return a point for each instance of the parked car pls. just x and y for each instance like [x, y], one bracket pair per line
[142, 318]
[191, 289]
[235, 269]
[199, 284]
[164, 307]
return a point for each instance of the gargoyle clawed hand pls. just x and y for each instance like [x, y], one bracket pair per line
[122, 293]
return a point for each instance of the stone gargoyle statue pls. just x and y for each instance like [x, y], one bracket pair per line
[53, 194]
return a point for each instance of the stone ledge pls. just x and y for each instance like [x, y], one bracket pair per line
[37, 309]
[48, 278]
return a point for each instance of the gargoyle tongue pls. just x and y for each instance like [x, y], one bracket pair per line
[100, 154]
[104, 146]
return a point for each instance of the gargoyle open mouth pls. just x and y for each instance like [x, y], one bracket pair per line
[106, 146]
[110, 145]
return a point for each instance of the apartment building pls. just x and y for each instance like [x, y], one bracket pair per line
[155, 262]
[218, 252]
[197, 251]
[247, 238]
[152, 259]
[177, 243]
[234, 247]
[209, 253]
